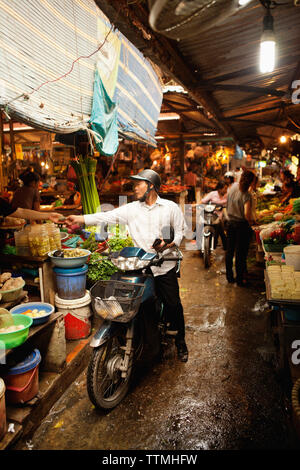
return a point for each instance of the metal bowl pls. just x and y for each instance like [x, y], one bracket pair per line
[75, 262]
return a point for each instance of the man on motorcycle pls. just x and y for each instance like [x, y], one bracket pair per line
[145, 219]
[218, 197]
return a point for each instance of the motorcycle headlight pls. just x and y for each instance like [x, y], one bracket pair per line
[209, 208]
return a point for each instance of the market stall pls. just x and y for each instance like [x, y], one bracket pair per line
[278, 238]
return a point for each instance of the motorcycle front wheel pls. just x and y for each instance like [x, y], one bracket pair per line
[206, 252]
[105, 385]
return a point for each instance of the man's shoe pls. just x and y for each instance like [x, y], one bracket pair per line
[182, 352]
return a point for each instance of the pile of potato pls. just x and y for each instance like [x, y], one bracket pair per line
[7, 282]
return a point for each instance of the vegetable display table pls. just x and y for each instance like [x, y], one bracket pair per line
[286, 331]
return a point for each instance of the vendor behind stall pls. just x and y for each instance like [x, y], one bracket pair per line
[290, 188]
[28, 196]
[7, 209]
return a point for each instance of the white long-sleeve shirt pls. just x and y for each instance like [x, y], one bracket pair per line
[145, 225]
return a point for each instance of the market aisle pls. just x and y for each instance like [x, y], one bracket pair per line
[225, 397]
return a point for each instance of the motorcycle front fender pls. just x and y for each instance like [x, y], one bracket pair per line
[207, 231]
[106, 331]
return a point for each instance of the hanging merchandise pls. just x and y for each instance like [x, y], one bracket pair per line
[238, 153]
[104, 120]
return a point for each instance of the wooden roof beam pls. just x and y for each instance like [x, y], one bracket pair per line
[256, 123]
[245, 89]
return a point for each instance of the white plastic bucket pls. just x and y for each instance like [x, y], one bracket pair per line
[77, 316]
[292, 256]
[2, 409]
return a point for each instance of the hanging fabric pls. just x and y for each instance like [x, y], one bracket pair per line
[104, 120]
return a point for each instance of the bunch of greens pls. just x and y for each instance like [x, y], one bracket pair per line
[90, 243]
[85, 169]
[100, 268]
[116, 243]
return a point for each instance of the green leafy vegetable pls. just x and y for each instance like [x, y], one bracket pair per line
[116, 243]
[100, 268]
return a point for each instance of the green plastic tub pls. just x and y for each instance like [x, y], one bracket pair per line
[12, 340]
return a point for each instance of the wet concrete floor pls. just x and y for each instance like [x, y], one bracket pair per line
[227, 396]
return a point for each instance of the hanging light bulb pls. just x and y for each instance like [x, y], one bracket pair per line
[267, 45]
[283, 139]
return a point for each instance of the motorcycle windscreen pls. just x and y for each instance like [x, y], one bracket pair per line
[131, 258]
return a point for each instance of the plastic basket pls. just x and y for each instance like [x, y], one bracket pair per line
[116, 300]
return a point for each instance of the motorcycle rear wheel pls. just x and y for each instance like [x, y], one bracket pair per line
[206, 252]
[106, 388]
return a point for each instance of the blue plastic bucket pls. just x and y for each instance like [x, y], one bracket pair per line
[71, 283]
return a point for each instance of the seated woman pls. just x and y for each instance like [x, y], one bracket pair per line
[28, 196]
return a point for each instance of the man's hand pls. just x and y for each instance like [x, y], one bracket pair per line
[56, 217]
[163, 246]
[74, 219]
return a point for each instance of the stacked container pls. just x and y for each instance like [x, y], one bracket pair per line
[54, 236]
[21, 241]
[22, 380]
[39, 242]
[74, 301]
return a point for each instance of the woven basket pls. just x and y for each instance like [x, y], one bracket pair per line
[296, 406]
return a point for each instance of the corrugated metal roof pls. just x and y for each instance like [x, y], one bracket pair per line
[233, 48]
[39, 42]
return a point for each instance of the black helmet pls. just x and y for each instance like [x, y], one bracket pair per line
[150, 176]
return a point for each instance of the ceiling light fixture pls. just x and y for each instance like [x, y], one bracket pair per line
[283, 139]
[168, 116]
[242, 3]
[267, 42]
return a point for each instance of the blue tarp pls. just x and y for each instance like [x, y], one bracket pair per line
[104, 120]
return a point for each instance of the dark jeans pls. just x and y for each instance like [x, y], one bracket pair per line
[167, 289]
[220, 232]
[238, 241]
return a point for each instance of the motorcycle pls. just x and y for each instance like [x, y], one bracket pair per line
[208, 220]
[134, 324]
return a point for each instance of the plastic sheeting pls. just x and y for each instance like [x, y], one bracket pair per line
[104, 120]
[45, 84]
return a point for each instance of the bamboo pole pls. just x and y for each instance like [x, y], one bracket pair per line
[12, 140]
[1, 151]
[181, 145]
